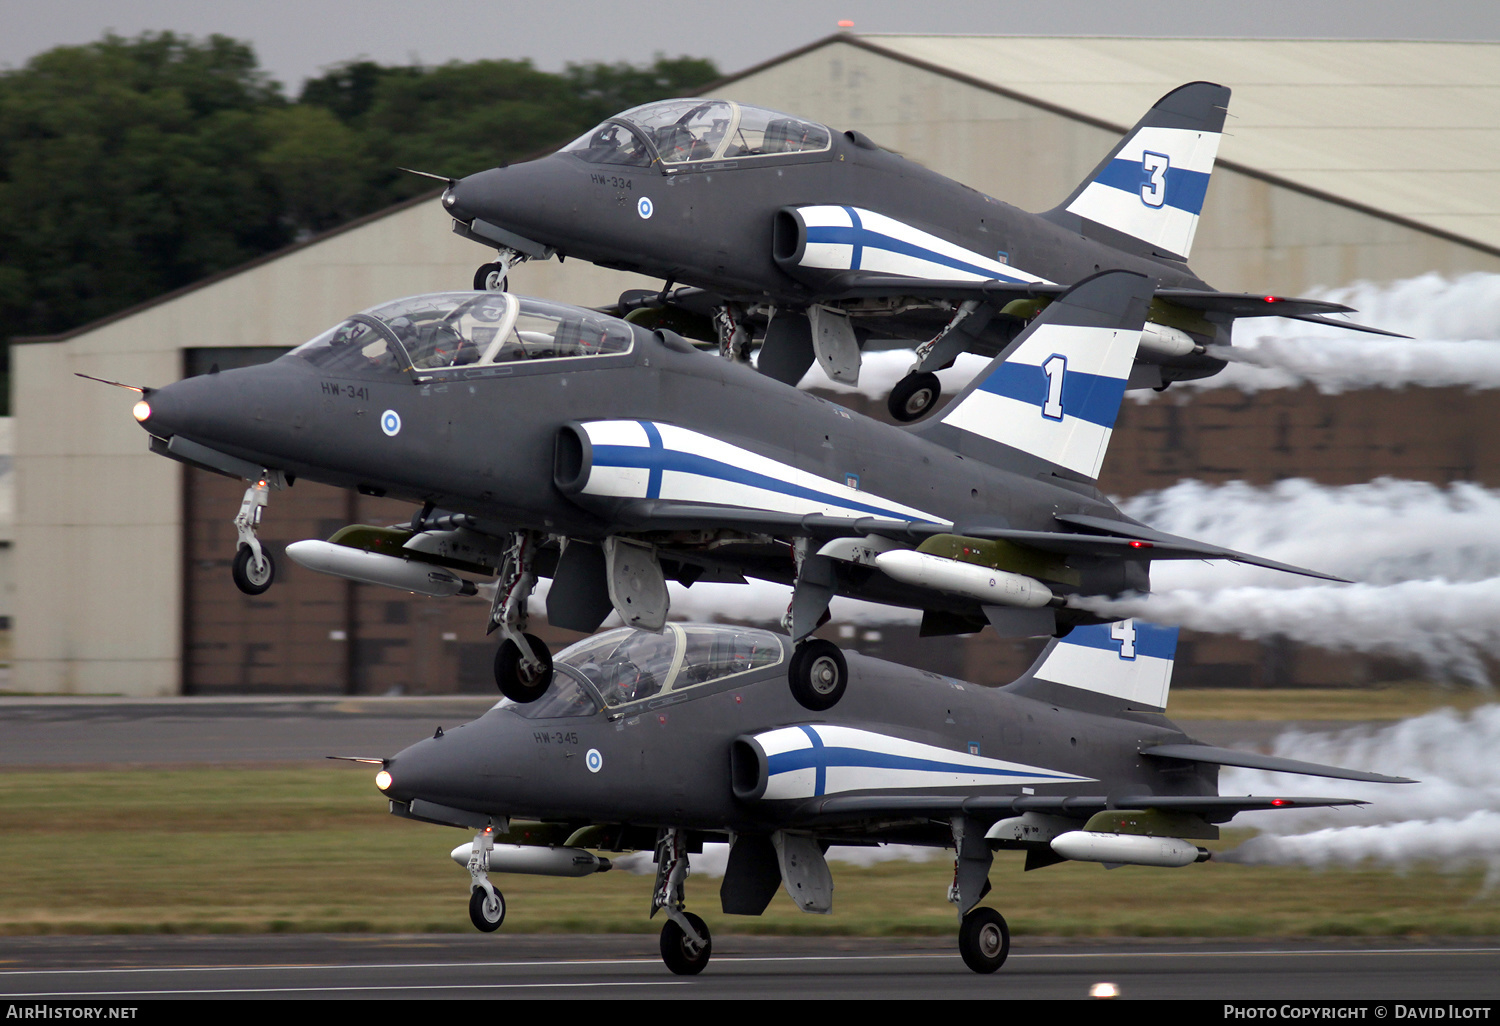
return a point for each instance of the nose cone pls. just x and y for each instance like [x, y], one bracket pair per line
[479, 195]
[473, 766]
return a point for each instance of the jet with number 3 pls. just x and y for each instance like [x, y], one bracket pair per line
[536, 439]
[813, 242]
[665, 742]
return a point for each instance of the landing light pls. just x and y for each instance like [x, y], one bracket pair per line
[141, 411]
[383, 780]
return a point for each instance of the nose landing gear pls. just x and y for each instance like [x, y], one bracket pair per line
[253, 570]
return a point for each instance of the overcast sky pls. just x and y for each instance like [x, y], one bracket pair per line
[296, 38]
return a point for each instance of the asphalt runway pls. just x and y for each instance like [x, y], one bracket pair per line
[123, 969]
[39, 733]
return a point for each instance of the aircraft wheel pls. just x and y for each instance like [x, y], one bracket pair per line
[984, 940]
[490, 278]
[913, 396]
[516, 685]
[818, 674]
[676, 949]
[486, 913]
[252, 577]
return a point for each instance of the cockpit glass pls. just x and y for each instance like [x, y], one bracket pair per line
[566, 696]
[685, 131]
[434, 333]
[627, 665]
[353, 346]
[611, 143]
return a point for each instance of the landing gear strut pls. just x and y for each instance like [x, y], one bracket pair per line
[253, 569]
[685, 941]
[493, 277]
[486, 903]
[523, 665]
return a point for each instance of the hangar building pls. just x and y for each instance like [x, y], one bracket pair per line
[1343, 161]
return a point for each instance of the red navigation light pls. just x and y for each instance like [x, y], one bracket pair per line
[1279, 801]
[1140, 545]
[1272, 299]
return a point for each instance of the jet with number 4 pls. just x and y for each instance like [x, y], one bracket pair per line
[814, 241]
[663, 742]
[537, 439]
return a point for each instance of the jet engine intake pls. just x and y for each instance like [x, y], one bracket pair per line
[572, 459]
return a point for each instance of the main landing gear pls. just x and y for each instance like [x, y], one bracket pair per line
[523, 663]
[913, 396]
[685, 942]
[818, 674]
[983, 940]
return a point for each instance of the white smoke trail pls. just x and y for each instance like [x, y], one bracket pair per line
[1454, 326]
[1427, 559]
[1449, 817]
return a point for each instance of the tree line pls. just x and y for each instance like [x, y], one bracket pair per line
[133, 166]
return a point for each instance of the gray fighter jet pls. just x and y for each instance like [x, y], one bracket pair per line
[662, 742]
[818, 241]
[548, 440]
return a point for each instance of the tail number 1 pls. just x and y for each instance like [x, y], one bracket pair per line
[1054, 368]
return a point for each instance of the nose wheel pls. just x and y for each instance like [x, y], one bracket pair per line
[914, 396]
[491, 277]
[818, 674]
[251, 575]
[486, 910]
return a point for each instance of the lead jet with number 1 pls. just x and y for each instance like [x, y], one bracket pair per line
[543, 440]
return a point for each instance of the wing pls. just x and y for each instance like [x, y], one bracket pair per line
[1214, 808]
[1254, 760]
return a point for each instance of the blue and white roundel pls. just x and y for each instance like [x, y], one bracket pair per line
[594, 760]
[390, 423]
[644, 208]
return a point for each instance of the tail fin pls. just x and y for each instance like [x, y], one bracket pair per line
[1147, 194]
[1055, 391]
[1129, 661]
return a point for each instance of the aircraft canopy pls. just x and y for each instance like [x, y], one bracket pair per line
[694, 130]
[429, 334]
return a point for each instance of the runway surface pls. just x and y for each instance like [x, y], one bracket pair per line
[581, 967]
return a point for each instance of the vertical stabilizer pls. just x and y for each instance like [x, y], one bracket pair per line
[1054, 393]
[1150, 188]
[1129, 661]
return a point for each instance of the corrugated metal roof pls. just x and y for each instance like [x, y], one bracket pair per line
[1409, 128]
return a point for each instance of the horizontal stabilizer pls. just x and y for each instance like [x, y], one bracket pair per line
[1160, 545]
[1332, 323]
[1253, 760]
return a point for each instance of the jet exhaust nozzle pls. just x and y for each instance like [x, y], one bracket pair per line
[981, 583]
[376, 568]
[536, 860]
[1127, 849]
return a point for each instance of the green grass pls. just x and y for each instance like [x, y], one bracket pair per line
[212, 850]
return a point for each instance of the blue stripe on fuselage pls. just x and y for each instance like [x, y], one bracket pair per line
[656, 461]
[1090, 397]
[1184, 189]
[822, 758]
[861, 238]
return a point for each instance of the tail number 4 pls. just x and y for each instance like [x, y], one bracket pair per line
[1123, 631]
